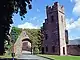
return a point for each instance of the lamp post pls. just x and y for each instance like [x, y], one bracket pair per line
[12, 39]
[13, 54]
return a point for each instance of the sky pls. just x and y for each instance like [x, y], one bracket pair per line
[35, 17]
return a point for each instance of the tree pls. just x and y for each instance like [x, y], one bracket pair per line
[7, 10]
[16, 32]
[34, 35]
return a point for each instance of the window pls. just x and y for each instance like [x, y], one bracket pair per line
[53, 48]
[46, 36]
[44, 26]
[42, 50]
[46, 49]
[66, 36]
[52, 18]
[64, 50]
[62, 18]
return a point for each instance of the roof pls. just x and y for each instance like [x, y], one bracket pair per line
[74, 42]
[22, 36]
[25, 35]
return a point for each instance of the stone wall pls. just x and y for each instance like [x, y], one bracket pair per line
[18, 44]
[26, 46]
[54, 30]
[73, 49]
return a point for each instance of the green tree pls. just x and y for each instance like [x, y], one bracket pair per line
[16, 32]
[34, 35]
[8, 8]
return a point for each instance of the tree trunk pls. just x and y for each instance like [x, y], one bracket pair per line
[2, 34]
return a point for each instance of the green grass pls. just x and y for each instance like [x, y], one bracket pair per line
[6, 55]
[55, 57]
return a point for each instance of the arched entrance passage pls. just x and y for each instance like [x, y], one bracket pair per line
[26, 45]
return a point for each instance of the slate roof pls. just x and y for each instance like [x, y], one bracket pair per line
[74, 42]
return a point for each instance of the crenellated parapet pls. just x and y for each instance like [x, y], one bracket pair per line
[55, 7]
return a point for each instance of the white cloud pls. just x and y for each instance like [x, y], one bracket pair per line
[76, 9]
[71, 24]
[28, 25]
[74, 26]
[33, 18]
[43, 21]
[71, 0]
[38, 10]
[73, 37]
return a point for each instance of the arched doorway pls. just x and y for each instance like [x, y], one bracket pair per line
[26, 46]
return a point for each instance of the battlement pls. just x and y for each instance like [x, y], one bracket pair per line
[55, 7]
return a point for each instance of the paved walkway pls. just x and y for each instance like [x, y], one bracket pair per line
[26, 56]
[31, 57]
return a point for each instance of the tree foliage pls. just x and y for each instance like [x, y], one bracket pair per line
[16, 31]
[34, 35]
[7, 9]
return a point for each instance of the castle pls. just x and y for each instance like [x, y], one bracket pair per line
[55, 35]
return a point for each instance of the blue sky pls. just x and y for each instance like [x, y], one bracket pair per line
[35, 17]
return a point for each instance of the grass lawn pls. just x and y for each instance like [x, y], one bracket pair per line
[55, 57]
[5, 56]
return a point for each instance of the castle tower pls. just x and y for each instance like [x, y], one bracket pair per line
[54, 41]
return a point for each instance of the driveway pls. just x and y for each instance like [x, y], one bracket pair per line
[27, 56]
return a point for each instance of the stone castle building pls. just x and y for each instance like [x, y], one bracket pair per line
[54, 31]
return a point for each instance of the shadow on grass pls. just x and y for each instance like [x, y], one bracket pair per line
[7, 59]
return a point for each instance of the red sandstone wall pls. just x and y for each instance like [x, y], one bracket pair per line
[51, 29]
[73, 49]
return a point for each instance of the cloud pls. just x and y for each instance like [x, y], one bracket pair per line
[76, 9]
[33, 18]
[71, 24]
[71, 0]
[73, 27]
[74, 37]
[38, 10]
[28, 25]
[43, 21]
